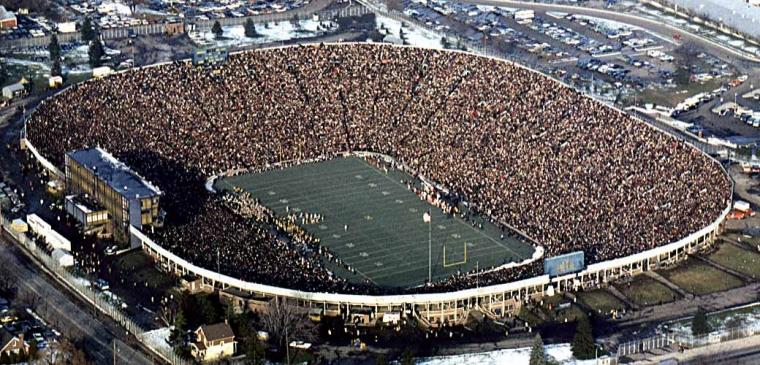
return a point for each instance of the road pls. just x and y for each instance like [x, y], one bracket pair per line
[648, 24]
[68, 315]
[736, 352]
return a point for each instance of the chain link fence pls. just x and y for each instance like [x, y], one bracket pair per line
[685, 341]
[96, 299]
[645, 344]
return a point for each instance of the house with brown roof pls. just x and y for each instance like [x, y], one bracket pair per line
[7, 19]
[213, 342]
[10, 344]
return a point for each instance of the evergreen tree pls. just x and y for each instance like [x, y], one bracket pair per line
[699, 324]
[88, 31]
[407, 358]
[217, 29]
[381, 360]
[537, 354]
[250, 29]
[3, 73]
[295, 22]
[4, 358]
[444, 42]
[55, 69]
[54, 48]
[583, 345]
[177, 334]
[96, 52]
[230, 312]
[208, 310]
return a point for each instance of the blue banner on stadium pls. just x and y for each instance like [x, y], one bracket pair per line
[564, 264]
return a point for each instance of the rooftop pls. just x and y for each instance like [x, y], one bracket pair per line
[5, 14]
[216, 332]
[115, 173]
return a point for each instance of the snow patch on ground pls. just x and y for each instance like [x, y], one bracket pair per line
[612, 24]
[234, 36]
[118, 8]
[560, 353]
[28, 63]
[415, 36]
[158, 339]
[747, 317]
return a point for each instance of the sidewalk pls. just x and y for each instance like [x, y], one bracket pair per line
[728, 346]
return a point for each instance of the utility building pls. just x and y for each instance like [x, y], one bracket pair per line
[98, 176]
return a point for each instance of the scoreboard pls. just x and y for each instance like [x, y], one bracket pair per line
[210, 56]
[564, 264]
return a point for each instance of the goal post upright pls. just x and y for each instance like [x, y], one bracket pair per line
[464, 261]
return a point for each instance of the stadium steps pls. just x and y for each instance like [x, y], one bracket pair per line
[620, 296]
[669, 284]
[734, 242]
[423, 322]
[720, 267]
[490, 314]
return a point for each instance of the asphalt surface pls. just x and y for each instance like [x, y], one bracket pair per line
[660, 28]
[70, 316]
[751, 357]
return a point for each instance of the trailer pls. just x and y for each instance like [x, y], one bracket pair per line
[523, 15]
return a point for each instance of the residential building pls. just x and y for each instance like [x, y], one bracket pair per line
[10, 344]
[7, 19]
[213, 342]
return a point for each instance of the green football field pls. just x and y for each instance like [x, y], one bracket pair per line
[386, 240]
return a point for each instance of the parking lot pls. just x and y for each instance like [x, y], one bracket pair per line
[612, 60]
[19, 318]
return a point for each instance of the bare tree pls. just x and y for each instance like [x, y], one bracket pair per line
[64, 351]
[8, 283]
[53, 354]
[30, 299]
[286, 323]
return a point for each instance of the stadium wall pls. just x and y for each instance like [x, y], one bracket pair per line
[434, 308]
[496, 300]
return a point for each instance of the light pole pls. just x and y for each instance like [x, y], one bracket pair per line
[427, 219]
[430, 251]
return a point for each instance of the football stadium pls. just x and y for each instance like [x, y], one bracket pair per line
[368, 174]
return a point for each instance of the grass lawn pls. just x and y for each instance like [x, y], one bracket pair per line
[571, 314]
[373, 221]
[645, 291]
[699, 278]
[528, 316]
[601, 301]
[744, 261]
[138, 269]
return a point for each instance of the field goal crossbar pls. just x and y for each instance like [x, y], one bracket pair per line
[463, 261]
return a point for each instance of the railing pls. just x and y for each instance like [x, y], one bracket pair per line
[84, 290]
[466, 294]
[723, 335]
[645, 344]
[686, 341]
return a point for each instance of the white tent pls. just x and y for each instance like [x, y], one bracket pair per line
[63, 258]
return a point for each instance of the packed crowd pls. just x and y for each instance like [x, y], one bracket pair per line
[567, 171]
